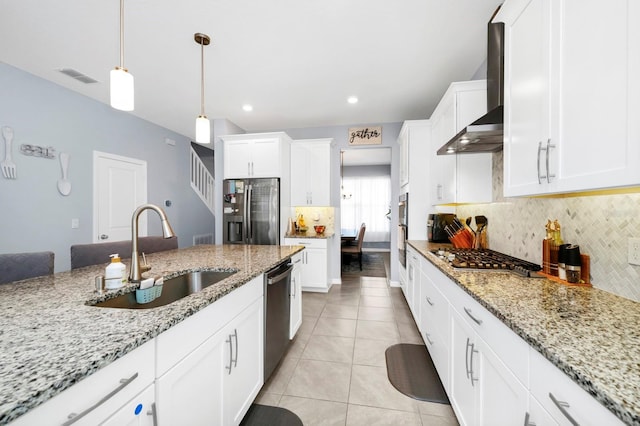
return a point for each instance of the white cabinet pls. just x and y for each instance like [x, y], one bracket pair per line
[97, 397]
[256, 155]
[415, 145]
[461, 178]
[314, 268]
[140, 411]
[295, 320]
[563, 399]
[571, 99]
[311, 172]
[210, 366]
[412, 289]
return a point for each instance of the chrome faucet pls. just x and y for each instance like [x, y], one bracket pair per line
[135, 274]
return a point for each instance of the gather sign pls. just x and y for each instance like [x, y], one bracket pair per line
[365, 135]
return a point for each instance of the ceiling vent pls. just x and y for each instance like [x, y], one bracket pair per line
[77, 75]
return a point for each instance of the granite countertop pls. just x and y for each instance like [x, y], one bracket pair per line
[591, 335]
[50, 338]
[310, 234]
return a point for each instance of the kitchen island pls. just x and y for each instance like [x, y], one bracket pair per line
[588, 334]
[51, 338]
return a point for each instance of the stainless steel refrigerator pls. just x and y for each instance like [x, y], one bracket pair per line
[251, 211]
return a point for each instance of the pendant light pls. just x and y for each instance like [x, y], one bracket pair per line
[203, 129]
[121, 79]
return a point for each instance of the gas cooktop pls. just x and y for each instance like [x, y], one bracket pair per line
[485, 259]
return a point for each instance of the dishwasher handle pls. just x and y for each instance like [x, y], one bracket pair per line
[274, 279]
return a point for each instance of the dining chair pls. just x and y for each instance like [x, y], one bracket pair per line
[356, 249]
[20, 266]
[97, 253]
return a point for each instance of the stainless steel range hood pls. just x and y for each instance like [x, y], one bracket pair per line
[485, 134]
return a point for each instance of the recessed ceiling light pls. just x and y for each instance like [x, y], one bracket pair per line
[352, 99]
[247, 108]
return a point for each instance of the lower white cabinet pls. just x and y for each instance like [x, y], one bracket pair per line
[314, 268]
[213, 380]
[97, 397]
[140, 411]
[413, 283]
[295, 319]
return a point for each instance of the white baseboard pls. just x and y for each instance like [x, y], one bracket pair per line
[394, 284]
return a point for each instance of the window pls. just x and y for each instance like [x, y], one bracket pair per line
[369, 203]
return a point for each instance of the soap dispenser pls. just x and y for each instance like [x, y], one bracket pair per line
[115, 273]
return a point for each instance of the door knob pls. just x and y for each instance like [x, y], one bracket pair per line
[104, 237]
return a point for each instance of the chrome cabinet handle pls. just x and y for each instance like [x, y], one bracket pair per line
[562, 406]
[248, 169]
[428, 340]
[73, 417]
[466, 357]
[293, 280]
[549, 175]
[152, 412]
[539, 177]
[526, 420]
[230, 353]
[477, 321]
[473, 351]
[429, 301]
[252, 172]
[439, 192]
[235, 360]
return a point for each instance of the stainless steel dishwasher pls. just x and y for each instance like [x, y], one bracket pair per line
[277, 285]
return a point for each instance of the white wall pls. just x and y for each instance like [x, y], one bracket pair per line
[33, 214]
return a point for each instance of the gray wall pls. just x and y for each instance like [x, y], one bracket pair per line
[33, 214]
[390, 132]
[367, 171]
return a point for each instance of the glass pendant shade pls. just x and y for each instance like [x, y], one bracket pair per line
[203, 129]
[121, 89]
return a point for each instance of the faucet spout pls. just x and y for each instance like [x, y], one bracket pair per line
[136, 270]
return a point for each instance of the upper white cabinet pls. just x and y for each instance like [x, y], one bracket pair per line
[256, 155]
[311, 172]
[572, 96]
[461, 178]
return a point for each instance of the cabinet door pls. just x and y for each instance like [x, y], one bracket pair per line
[502, 399]
[318, 185]
[403, 140]
[527, 98]
[265, 158]
[237, 159]
[314, 269]
[464, 365]
[296, 296]
[191, 392]
[243, 373]
[299, 174]
[444, 166]
[538, 416]
[140, 411]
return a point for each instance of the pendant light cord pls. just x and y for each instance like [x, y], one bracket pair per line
[122, 34]
[202, 77]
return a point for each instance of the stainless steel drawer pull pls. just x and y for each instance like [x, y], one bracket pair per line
[539, 150]
[477, 321]
[562, 406]
[73, 417]
[429, 301]
[526, 420]
[230, 366]
[473, 351]
[466, 357]
[428, 340]
[235, 360]
[549, 175]
[152, 412]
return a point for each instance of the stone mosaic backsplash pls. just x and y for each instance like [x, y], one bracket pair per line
[599, 224]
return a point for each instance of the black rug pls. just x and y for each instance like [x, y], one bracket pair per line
[372, 265]
[411, 371]
[266, 415]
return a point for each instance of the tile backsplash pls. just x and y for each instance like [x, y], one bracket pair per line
[599, 224]
[316, 216]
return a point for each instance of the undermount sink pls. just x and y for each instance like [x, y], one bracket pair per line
[173, 289]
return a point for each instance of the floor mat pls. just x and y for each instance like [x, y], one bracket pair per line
[411, 371]
[372, 265]
[266, 415]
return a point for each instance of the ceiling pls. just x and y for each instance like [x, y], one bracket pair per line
[294, 61]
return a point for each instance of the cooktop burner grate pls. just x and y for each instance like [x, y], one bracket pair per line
[486, 259]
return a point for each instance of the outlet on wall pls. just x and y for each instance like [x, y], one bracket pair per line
[634, 251]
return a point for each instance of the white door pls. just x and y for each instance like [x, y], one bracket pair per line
[119, 187]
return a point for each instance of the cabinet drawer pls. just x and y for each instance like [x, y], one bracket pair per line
[320, 243]
[117, 383]
[181, 339]
[548, 381]
[514, 351]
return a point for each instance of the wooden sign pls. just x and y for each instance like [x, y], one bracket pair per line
[365, 135]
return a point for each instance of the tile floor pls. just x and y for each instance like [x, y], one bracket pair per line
[334, 373]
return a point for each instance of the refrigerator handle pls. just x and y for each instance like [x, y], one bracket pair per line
[245, 225]
[249, 195]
